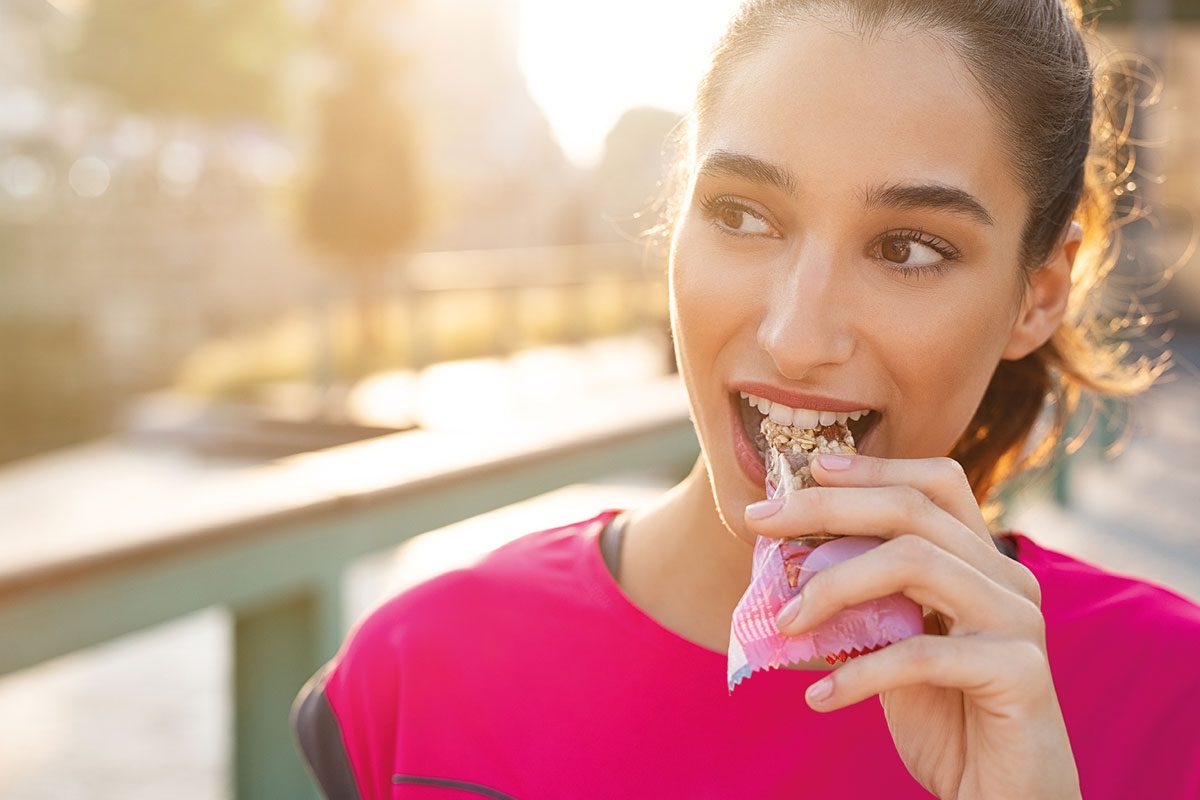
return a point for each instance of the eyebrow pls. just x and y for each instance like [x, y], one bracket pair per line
[890, 195]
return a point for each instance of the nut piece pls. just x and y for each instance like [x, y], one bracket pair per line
[789, 448]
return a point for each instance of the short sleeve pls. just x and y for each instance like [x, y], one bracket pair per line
[319, 738]
[346, 717]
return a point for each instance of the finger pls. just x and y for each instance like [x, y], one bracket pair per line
[889, 512]
[945, 483]
[966, 598]
[1004, 675]
[942, 480]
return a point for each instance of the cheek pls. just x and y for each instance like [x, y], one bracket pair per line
[942, 360]
[705, 314]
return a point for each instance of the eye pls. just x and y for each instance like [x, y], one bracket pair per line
[911, 251]
[734, 218]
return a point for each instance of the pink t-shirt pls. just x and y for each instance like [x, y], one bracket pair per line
[531, 675]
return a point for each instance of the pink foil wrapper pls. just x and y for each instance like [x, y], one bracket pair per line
[780, 569]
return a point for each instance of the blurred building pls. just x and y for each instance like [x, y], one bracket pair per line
[26, 102]
[25, 26]
[127, 241]
[506, 179]
[626, 185]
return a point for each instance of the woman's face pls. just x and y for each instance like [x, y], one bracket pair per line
[878, 266]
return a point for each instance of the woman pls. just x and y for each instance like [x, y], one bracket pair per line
[897, 207]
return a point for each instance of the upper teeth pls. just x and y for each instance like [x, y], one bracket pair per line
[801, 417]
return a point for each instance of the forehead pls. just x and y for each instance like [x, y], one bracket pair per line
[842, 112]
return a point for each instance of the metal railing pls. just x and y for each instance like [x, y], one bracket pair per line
[272, 543]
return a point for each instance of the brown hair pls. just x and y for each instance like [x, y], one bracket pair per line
[1068, 142]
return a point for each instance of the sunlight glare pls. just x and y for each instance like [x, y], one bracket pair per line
[586, 64]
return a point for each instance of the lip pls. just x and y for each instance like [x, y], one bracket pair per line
[746, 453]
[812, 402]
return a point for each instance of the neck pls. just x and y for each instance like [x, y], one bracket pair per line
[682, 566]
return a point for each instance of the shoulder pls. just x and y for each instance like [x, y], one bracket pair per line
[532, 569]
[1122, 651]
[346, 717]
[1076, 593]
[518, 579]
[1104, 626]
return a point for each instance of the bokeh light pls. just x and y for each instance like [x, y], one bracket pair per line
[23, 176]
[89, 176]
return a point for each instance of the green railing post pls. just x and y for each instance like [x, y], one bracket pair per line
[277, 647]
[1061, 484]
[1110, 418]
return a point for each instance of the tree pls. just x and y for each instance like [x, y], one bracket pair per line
[362, 204]
[211, 60]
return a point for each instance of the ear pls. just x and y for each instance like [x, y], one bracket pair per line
[1046, 299]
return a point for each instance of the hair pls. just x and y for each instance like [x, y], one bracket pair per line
[1066, 130]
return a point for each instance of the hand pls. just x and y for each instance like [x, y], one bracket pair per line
[973, 711]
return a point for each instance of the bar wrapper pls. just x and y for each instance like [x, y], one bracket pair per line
[781, 567]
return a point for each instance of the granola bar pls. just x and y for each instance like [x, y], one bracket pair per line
[788, 450]
[781, 567]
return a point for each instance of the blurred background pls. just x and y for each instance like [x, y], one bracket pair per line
[274, 273]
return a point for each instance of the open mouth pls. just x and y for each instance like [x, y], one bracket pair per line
[752, 419]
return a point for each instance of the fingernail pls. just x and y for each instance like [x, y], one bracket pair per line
[834, 461]
[789, 613]
[764, 508]
[820, 691]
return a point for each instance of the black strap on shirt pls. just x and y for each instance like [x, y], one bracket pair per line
[1006, 545]
[320, 739]
[611, 539]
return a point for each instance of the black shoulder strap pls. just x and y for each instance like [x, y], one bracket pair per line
[320, 739]
[1006, 545]
[610, 543]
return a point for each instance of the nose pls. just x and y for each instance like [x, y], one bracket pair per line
[808, 320]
